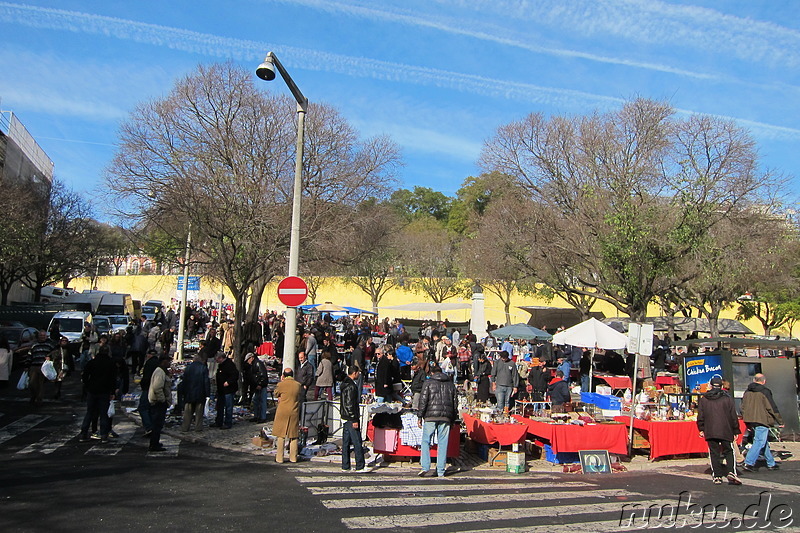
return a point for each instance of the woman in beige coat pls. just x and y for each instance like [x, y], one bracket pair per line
[324, 377]
[287, 415]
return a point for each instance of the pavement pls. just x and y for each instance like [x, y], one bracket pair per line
[240, 439]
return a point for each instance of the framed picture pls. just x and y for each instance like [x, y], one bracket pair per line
[595, 461]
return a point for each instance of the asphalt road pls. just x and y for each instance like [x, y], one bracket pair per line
[51, 482]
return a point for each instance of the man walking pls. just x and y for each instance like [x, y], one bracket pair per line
[719, 425]
[351, 415]
[760, 413]
[287, 415]
[227, 379]
[437, 412]
[160, 397]
[196, 387]
[38, 353]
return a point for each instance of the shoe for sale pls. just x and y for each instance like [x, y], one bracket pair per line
[748, 468]
[774, 467]
[733, 479]
[422, 473]
[717, 481]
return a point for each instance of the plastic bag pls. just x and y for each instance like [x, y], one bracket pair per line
[112, 408]
[23, 381]
[49, 370]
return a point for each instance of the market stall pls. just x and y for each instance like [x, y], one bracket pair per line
[574, 438]
[503, 434]
[670, 437]
[404, 439]
[615, 382]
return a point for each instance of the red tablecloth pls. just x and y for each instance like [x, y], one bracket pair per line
[672, 437]
[491, 433]
[574, 438]
[616, 382]
[265, 348]
[667, 380]
[401, 450]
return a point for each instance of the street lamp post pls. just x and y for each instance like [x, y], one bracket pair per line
[266, 71]
[184, 297]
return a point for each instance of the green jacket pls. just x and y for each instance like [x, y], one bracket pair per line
[757, 409]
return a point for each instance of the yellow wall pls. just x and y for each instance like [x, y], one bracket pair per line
[152, 287]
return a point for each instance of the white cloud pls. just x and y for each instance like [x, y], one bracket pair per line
[483, 30]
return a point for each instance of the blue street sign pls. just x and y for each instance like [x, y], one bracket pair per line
[194, 283]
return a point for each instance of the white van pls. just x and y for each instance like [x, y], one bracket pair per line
[70, 323]
[54, 294]
[115, 304]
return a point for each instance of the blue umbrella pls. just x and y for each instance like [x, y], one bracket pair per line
[521, 331]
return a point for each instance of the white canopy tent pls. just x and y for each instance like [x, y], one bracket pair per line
[592, 334]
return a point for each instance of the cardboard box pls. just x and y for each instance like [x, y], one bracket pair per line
[261, 442]
[516, 469]
[515, 458]
[498, 460]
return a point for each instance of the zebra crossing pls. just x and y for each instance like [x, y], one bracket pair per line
[393, 499]
[26, 431]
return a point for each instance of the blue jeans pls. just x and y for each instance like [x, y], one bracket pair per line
[503, 395]
[442, 430]
[585, 383]
[225, 410]
[97, 405]
[144, 411]
[760, 440]
[260, 404]
[351, 435]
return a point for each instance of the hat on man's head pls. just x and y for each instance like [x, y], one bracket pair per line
[249, 355]
[716, 382]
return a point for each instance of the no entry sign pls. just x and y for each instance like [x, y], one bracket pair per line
[292, 291]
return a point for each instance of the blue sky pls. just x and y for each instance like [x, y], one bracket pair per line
[438, 76]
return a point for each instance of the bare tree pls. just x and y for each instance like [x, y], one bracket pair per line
[217, 154]
[631, 192]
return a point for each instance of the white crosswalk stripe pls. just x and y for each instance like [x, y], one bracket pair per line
[466, 500]
[18, 427]
[53, 441]
[125, 429]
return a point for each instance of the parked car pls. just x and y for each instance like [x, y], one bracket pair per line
[149, 312]
[119, 323]
[19, 337]
[70, 324]
[102, 325]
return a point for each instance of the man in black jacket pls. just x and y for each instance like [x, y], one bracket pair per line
[438, 409]
[100, 379]
[719, 425]
[227, 384]
[306, 374]
[558, 392]
[259, 381]
[351, 415]
[196, 388]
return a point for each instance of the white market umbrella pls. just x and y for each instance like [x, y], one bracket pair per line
[592, 334]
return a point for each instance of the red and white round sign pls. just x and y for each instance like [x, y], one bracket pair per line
[292, 291]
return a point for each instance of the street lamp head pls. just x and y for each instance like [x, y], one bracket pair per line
[266, 70]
